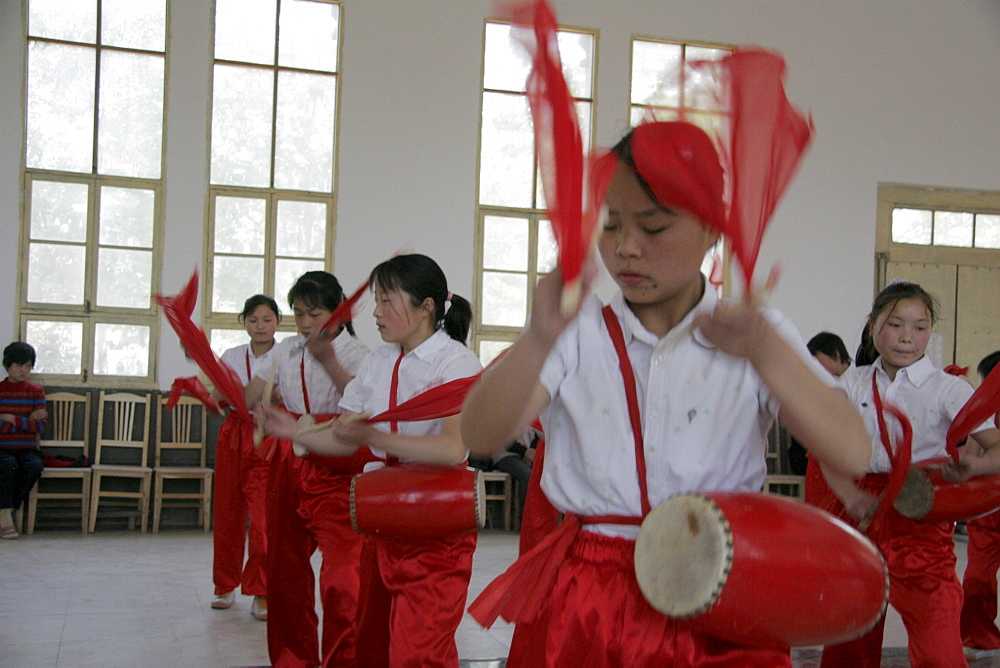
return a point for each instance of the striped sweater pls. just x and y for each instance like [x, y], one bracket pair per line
[20, 400]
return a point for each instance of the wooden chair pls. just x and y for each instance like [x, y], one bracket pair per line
[786, 485]
[187, 422]
[122, 432]
[69, 424]
[504, 494]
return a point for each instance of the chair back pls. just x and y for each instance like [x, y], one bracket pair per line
[69, 422]
[122, 423]
[181, 430]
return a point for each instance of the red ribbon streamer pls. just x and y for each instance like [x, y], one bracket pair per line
[178, 310]
[345, 309]
[983, 403]
[193, 386]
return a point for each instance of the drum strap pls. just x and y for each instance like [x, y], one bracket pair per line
[305, 389]
[249, 376]
[394, 391]
[883, 431]
[631, 396]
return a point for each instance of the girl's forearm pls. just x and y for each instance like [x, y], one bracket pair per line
[506, 399]
[441, 449]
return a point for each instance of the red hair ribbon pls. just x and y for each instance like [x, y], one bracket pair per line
[767, 139]
[560, 147]
[178, 310]
[955, 370]
[193, 386]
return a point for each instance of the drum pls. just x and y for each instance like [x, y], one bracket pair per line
[760, 570]
[417, 501]
[928, 497]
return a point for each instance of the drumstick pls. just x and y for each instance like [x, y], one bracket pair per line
[320, 426]
[258, 432]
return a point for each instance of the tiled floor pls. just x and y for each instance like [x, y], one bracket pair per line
[118, 598]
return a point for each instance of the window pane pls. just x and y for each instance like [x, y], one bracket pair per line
[953, 228]
[241, 126]
[286, 272]
[304, 123]
[72, 20]
[911, 226]
[233, 280]
[655, 68]
[507, 159]
[488, 350]
[239, 225]
[59, 211]
[505, 299]
[135, 24]
[701, 85]
[56, 273]
[505, 243]
[60, 107]
[301, 229]
[548, 251]
[507, 63]
[576, 51]
[124, 278]
[244, 30]
[987, 231]
[121, 350]
[308, 35]
[126, 217]
[639, 115]
[58, 345]
[224, 339]
[131, 115]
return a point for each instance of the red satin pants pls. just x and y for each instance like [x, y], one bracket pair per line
[980, 583]
[240, 482]
[308, 507]
[923, 588]
[596, 617]
[413, 599]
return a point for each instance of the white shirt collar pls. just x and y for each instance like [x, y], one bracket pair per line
[916, 373]
[633, 329]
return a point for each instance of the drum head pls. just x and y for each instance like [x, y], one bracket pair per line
[917, 495]
[480, 498]
[683, 555]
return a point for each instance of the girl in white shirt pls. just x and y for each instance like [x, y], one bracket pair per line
[241, 476]
[710, 376]
[308, 499]
[417, 588]
[923, 584]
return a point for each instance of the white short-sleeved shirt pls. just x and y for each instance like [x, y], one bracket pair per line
[930, 398]
[288, 367]
[242, 360]
[436, 361]
[705, 415]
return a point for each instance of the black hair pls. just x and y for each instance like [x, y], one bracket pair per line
[420, 277]
[987, 363]
[18, 352]
[623, 149]
[319, 289]
[259, 300]
[887, 299]
[830, 345]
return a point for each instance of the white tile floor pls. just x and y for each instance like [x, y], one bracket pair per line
[119, 598]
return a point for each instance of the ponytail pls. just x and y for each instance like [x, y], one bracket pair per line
[458, 318]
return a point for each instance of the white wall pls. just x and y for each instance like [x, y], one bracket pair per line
[901, 91]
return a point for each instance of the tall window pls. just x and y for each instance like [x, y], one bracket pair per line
[93, 160]
[274, 101]
[666, 87]
[514, 240]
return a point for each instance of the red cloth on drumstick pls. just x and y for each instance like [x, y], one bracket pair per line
[573, 201]
[178, 310]
[345, 310]
[193, 386]
[983, 403]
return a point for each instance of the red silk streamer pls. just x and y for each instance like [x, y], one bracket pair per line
[441, 401]
[191, 385]
[955, 370]
[559, 145]
[983, 403]
[345, 309]
[178, 310]
[767, 138]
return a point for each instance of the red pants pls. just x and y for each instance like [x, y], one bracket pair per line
[240, 482]
[308, 507]
[923, 588]
[413, 600]
[596, 616]
[980, 583]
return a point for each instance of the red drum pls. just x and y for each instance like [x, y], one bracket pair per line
[928, 497]
[760, 570]
[417, 501]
